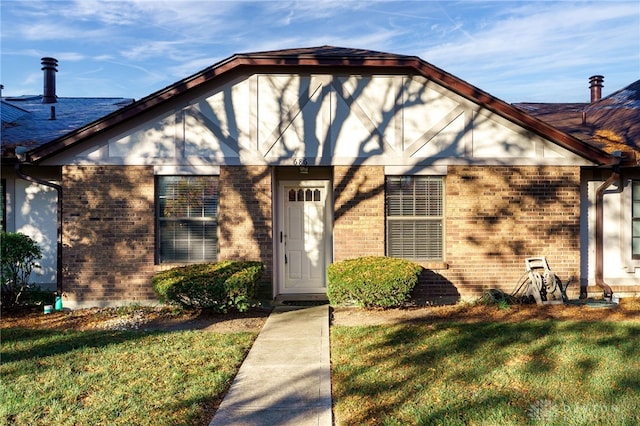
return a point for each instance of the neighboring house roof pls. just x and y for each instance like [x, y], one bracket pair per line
[10, 113]
[329, 58]
[28, 123]
[611, 123]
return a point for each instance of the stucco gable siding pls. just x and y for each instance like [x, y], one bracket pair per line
[495, 137]
[293, 116]
[150, 141]
[218, 122]
[274, 119]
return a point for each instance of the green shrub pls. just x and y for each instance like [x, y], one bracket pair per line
[37, 296]
[372, 281]
[218, 286]
[19, 255]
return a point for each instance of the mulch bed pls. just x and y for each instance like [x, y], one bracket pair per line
[145, 318]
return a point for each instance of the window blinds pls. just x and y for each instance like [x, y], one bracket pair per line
[187, 218]
[414, 209]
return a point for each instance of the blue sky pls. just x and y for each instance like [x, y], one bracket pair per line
[517, 51]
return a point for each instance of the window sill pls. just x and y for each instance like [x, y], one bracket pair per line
[433, 265]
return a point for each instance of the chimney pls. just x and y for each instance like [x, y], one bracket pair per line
[595, 84]
[49, 66]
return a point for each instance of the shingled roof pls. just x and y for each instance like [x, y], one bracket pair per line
[317, 58]
[28, 123]
[611, 123]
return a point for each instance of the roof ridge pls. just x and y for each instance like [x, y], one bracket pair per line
[9, 103]
[324, 51]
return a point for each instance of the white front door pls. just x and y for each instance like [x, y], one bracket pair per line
[304, 243]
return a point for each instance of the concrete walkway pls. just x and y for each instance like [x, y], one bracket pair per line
[286, 377]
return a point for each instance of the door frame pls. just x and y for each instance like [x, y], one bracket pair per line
[278, 261]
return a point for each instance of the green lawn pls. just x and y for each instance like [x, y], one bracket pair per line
[444, 373]
[54, 377]
[531, 372]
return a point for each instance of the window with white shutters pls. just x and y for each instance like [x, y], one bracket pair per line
[414, 209]
[187, 212]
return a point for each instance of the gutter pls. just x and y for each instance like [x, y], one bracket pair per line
[616, 176]
[22, 175]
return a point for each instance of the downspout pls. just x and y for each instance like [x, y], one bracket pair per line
[58, 189]
[615, 177]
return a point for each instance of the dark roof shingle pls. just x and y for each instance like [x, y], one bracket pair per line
[35, 124]
[611, 123]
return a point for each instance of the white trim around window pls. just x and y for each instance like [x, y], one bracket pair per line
[414, 214]
[186, 219]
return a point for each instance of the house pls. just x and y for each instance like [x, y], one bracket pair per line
[303, 157]
[611, 217]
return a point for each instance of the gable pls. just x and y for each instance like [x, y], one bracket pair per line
[325, 119]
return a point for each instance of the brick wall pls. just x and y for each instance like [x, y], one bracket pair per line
[498, 216]
[108, 234]
[359, 223]
[495, 218]
[245, 224]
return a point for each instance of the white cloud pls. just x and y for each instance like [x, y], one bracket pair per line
[506, 48]
[112, 13]
[559, 28]
[545, 41]
[103, 57]
[169, 50]
[71, 56]
[185, 69]
[32, 78]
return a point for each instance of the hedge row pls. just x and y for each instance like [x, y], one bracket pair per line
[373, 281]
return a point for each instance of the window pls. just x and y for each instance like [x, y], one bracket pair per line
[187, 212]
[635, 220]
[414, 208]
[301, 195]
